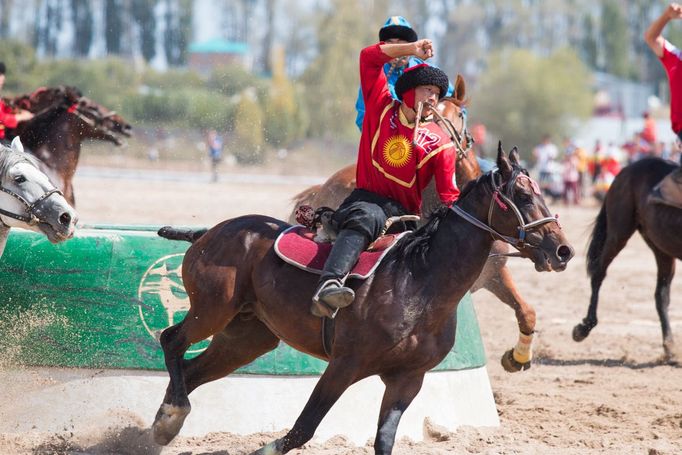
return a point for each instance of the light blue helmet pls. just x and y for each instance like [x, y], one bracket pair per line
[397, 27]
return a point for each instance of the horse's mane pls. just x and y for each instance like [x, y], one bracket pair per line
[457, 102]
[414, 247]
[9, 158]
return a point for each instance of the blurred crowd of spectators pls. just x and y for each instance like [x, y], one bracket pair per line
[576, 171]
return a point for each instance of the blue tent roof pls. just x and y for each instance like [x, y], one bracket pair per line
[219, 46]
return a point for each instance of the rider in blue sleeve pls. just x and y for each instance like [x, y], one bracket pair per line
[395, 30]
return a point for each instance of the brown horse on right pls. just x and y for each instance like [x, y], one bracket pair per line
[401, 324]
[495, 276]
[63, 119]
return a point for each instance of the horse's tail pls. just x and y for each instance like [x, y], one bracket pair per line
[597, 240]
[188, 235]
[305, 197]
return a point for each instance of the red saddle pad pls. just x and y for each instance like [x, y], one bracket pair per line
[297, 247]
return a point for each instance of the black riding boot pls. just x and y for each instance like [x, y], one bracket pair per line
[331, 293]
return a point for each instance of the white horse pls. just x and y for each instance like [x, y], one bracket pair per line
[29, 200]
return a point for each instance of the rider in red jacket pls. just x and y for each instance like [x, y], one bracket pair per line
[394, 164]
[8, 118]
[669, 190]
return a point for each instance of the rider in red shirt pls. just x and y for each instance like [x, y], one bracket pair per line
[669, 190]
[392, 171]
[8, 118]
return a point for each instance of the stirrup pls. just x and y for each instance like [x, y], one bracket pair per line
[331, 296]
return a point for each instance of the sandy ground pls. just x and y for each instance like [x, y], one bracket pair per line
[608, 394]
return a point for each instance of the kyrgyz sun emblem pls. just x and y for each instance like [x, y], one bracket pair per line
[397, 151]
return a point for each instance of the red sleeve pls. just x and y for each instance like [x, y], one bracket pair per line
[6, 117]
[671, 58]
[444, 173]
[372, 78]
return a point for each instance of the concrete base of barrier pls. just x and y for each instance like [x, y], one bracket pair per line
[53, 400]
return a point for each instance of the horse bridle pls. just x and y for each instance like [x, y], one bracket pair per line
[30, 207]
[505, 202]
[457, 136]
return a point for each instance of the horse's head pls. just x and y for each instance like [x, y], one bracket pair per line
[106, 124]
[29, 200]
[516, 213]
[451, 116]
[96, 121]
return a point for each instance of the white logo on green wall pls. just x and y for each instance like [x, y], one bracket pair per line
[162, 298]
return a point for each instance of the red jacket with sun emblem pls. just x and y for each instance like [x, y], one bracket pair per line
[7, 118]
[388, 163]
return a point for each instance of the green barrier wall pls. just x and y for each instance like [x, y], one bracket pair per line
[102, 298]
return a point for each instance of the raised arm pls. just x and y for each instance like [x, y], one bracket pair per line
[422, 49]
[653, 35]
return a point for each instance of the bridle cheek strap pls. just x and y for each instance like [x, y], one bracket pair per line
[523, 228]
[30, 216]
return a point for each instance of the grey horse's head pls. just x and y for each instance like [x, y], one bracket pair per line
[28, 199]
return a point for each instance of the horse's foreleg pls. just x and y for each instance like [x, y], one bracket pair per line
[339, 375]
[400, 391]
[501, 284]
[666, 272]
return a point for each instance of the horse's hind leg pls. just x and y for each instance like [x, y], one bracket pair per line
[400, 391]
[666, 272]
[175, 407]
[239, 343]
[208, 315]
[339, 375]
[608, 239]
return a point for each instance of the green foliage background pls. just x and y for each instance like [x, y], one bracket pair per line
[521, 97]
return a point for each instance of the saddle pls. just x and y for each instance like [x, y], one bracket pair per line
[669, 190]
[307, 246]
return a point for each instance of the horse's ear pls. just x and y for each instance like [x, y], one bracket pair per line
[514, 156]
[460, 88]
[503, 163]
[17, 146]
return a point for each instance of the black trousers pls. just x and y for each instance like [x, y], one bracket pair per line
[358, 221]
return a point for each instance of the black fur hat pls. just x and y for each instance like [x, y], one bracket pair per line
[397, 27]
[422, 75]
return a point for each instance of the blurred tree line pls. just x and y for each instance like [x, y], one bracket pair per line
[528, 62]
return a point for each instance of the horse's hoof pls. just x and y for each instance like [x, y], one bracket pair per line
[510, 364]
[270, 449]
[168, 422]
[580, 332]
[670, 357]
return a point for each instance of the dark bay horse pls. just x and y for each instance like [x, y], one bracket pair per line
[495, 277]
[63, 119]
[401, 324]
[626, 209]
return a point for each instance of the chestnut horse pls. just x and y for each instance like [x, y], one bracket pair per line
[626, 209]
[401, 324]
[63, 119]
[495, 276]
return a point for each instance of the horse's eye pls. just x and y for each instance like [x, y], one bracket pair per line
[525, 199]
[19, 179]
